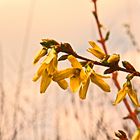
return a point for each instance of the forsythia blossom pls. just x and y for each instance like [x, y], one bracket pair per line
[96, 50]
[76, 74]
[80, 78]
[46, 71]
[127, 89]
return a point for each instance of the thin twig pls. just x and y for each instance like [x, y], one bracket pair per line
[132, 114]
[117, 68]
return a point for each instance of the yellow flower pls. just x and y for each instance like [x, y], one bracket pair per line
[76, 80]
[96, 50]
[98, 80]
[136, 135]
[49, 63]
[80, 78]
[76, 74]
[113, 58]
[127, 89]
[40, 54]
[46, 71]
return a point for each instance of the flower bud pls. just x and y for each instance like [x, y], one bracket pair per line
[114, 58]
[128, 66]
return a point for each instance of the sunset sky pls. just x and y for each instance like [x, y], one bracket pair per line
[23, 23]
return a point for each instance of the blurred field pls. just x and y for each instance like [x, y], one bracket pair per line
[59, 115]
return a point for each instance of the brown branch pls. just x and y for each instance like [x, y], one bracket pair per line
[117, 68]
[132, 114]
[102, 40]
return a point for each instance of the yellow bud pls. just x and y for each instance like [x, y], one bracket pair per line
[128, 66]
[113, 58]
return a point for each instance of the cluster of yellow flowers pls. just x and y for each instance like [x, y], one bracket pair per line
[79, 75]
[127, 89]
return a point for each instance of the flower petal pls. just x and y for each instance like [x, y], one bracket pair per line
[50, 56]
[60, 75]
[120, 96]
[102, 76]
[39, 55]
[100, 82]
[75, 83]
[133, 96]
[63, 84]
[39, 72]
[136, 135]
[83, 75]
[52, 66]
[74, 62]
[45, 81]
[96, 50]
[84, 88]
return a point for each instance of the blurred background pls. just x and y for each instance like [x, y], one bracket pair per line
[59, 115]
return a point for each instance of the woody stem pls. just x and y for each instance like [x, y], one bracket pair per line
[117, 68]
[132, 114]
